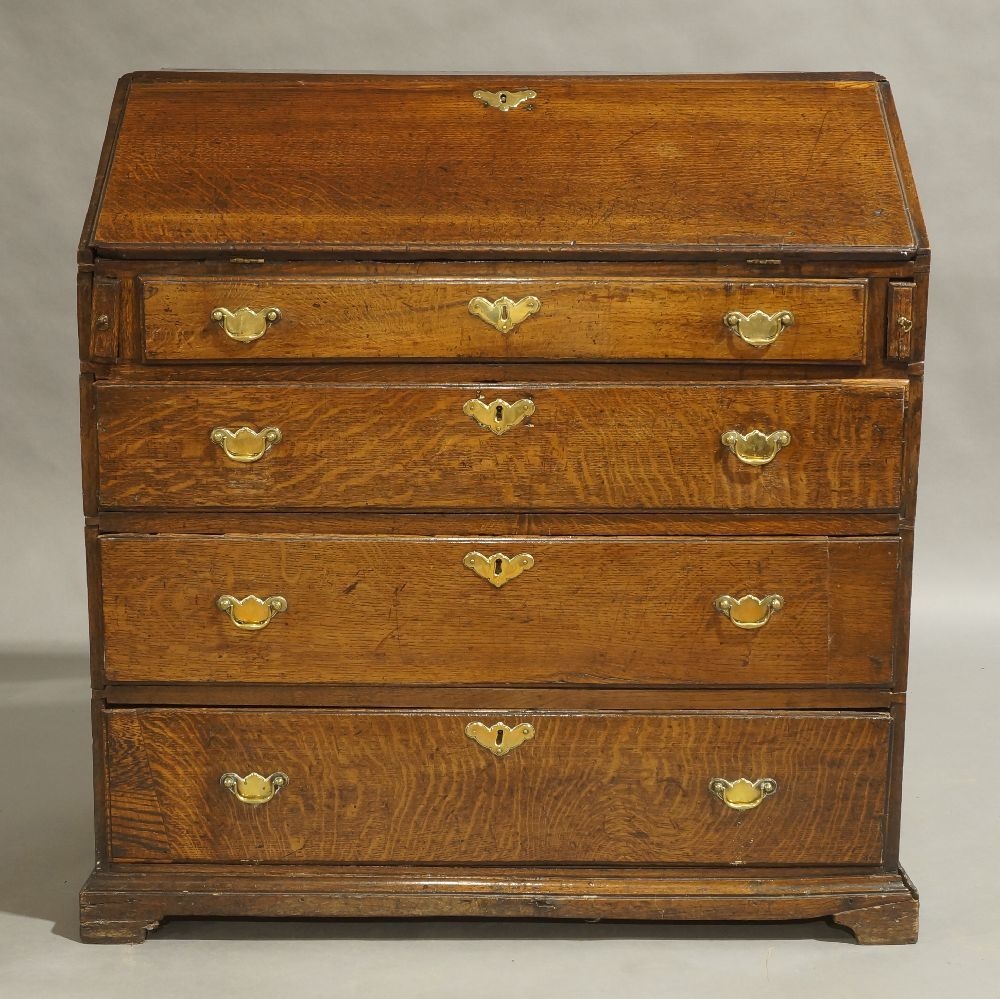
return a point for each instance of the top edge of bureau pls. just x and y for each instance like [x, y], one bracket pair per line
[802, 166]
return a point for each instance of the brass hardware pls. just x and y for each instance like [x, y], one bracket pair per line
[758, 329]
[246, 324]
[251, 613]
[246, 445]
[749, 612]
[498, 416]
[498, 569]
[255, 788]
[504, 100]
[742, 794]
[756, 448]
[905, 323]
[103, 321]
[499, 739]
[504, 314]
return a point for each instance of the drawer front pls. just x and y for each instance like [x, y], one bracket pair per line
[596, 317]
[523, 611]
[835, 446]
[383, 787]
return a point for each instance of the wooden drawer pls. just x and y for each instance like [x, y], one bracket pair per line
[577, 447]
[602, 611]
[593, 316]
[396, 787]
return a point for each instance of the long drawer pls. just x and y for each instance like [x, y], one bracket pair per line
[395, 787]
[728, 445]
[499, 611]
[599, 316]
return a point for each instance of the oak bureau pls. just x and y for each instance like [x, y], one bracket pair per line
[499, 498]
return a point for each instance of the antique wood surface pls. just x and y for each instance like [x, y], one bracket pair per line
[584, 448]
[381, 610]
[369, 210]
[452, 523]
[402, 165]
[397, 787]
[120, 906]
[593, 316]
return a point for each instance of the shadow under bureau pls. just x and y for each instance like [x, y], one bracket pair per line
[499, 498]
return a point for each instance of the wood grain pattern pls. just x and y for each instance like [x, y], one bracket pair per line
[383, 610]
[593, 316]
[683, 524]
[391, 787]
[121, 905]
[404, 165]
[585, 447]
[639, 210]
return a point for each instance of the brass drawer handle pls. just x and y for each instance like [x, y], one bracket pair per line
[758, 329]
[756, 447]
[245, 324]
[499, 739]
[498, 416]
[742, 794]
[255, 788]
[251, 613]
[749, 612]
[498, 569]
[246, 444]
[504, 313]
[504, 100]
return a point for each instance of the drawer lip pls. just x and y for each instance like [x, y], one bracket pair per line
[595, 612]
[617, 459]
[606, 316]
[360, 761]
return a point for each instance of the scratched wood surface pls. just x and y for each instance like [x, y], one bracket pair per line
[406, 610]
[591, 165]
[599, 316]
[395, 787]
[585, 447]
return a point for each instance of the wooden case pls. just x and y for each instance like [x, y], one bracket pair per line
[521, 544]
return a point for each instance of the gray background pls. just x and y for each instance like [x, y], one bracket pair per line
[58, 65]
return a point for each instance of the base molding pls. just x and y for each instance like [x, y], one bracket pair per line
[122, 905]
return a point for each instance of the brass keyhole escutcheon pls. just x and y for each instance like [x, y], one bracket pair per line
[498, 570]
[499, 739]
[504, 100]
[498, 416]
[504, 313]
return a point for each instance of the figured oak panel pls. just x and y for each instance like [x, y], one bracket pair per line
[396, 787]
[606, 611]
[586, 447]
[591, 166]
[602, 316]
